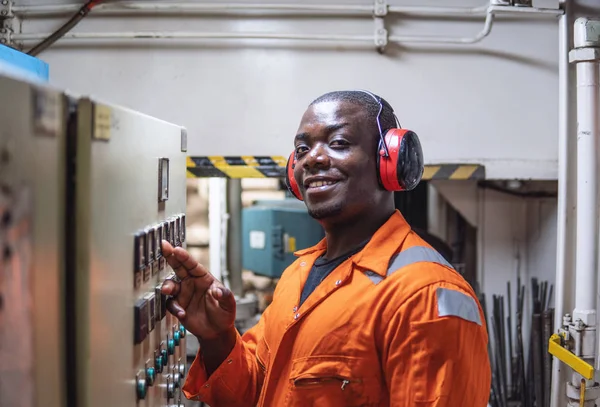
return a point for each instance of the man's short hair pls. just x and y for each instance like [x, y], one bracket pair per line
[366, 102]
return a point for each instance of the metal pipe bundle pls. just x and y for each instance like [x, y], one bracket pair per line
[521, 378]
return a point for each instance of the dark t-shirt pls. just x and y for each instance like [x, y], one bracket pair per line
[322, 268]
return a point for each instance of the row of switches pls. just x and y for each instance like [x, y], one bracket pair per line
[149, 310]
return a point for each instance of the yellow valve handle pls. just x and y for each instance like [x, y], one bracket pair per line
[576, 363]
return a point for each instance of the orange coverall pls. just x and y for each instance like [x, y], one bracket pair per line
[380, 330]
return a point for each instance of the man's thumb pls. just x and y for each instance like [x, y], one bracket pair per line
[224, 297]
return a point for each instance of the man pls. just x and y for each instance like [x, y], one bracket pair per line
[370, 316]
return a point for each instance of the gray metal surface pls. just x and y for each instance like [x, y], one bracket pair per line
[32, 174]
[117, 177]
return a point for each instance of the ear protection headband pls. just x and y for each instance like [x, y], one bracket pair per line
[399, 158]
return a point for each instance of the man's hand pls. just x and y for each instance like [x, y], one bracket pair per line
[203, 305]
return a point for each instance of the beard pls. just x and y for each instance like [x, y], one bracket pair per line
[326, 211]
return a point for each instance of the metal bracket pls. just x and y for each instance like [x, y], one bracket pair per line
[380, 8]
[184, 139]
[586, 32]
[588, 54]
[6, 31]
[6, 9]
[381, 34]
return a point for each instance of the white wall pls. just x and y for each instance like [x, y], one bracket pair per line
[493, 103]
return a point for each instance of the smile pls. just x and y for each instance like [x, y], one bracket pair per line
[320, 184]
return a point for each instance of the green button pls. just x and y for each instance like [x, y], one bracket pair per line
[165, 357]
[176, 337]
[171, 347]
[158, 364]
[150, 376]
[141, 389]
[182, 331]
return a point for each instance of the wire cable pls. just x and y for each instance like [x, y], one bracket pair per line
[65, 28]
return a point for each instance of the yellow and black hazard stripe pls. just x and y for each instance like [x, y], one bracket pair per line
[274, 167]
[236, 166]
[454, 172]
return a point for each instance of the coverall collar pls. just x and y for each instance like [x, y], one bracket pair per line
[377, 253]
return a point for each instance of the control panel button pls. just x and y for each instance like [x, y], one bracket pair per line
[150, 376]
[158, 362]
[182, 331]
[170, 346]
[177, 380]
[176, 337]
[181, 368]
[170, 388]
[165, 357]
[141, 388]
[140, 320]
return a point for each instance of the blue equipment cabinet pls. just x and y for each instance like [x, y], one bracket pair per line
[272, 232]
[19, 65]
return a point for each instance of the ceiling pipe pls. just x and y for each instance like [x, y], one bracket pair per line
[142, 7]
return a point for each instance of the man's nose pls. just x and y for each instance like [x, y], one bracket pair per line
[316, 158]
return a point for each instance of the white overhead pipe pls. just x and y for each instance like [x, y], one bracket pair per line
[258, 35]
[200, 8]
[189, 7]
[194, 35]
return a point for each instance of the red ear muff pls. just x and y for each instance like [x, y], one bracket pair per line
[403, 169]
[290, 181]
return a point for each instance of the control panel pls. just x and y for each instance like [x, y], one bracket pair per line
[131, 195]
[32, 236]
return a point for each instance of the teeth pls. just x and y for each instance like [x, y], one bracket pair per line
[316, 184]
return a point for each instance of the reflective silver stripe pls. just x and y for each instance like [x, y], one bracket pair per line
[374, 277]
[456, 304]
[412, 255]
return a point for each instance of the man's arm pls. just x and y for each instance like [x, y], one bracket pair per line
[223, 378]
[435, 350]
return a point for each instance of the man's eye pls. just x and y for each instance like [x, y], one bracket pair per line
[301, 150]
[339, 143]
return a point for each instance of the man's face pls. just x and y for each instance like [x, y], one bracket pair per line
[336, 161]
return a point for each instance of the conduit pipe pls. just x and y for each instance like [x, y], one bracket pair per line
[487, 28]
[557, 397]
[195, 35]
[188, 7]
[588, 132]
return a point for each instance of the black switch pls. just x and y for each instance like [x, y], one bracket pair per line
[158, 233]
[177, 231]
[182, 228]
[163, 306]
[140, 250]
[172, 232]
[152, 311]
[140, 324]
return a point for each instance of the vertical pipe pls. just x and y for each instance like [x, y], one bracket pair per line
[234, 235]
[588, 131]
[216, 199]
[557, 398]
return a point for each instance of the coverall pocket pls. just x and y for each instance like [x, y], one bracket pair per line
[263, 354]
[331, 381]
[432, 361]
